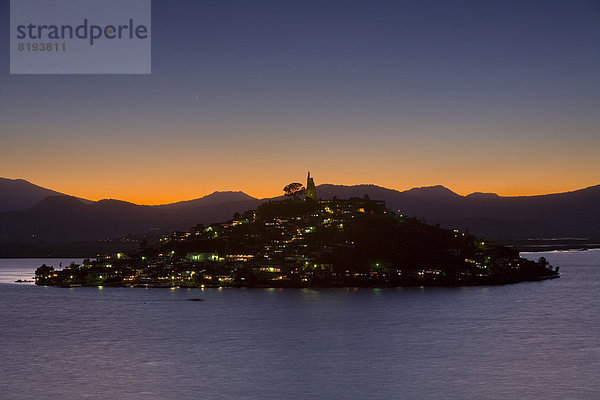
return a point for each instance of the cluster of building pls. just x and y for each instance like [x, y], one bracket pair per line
[295, 242]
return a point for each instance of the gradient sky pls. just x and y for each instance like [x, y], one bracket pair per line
[493, 96]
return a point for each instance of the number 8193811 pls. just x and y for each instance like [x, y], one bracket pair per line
[42, 46]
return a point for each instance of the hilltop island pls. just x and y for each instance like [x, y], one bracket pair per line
[304, 242]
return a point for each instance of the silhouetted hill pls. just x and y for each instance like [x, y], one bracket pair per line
[481, 195]
[570, 214]
[62, 204]
[20, 195]
[64, 218]
[211, 199]
[68, 219]
[437, 191]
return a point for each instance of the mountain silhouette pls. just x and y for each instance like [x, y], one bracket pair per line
[62, 218]
[480, 195]
[211, 199]
[20, 195]
[570, 214]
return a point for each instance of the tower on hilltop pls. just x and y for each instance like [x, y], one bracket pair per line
[311, 190]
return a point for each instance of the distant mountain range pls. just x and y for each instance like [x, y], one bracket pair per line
[563, 215]
[20, 195]
[68, 219]
[30, 213]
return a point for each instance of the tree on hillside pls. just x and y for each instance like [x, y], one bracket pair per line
[294, 189]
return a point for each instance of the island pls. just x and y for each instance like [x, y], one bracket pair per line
[300, 241]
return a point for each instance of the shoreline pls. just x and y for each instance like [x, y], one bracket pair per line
[544, 249]
[522, 249]
[161, 286]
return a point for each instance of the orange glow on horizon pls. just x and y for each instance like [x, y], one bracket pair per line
[182, 192]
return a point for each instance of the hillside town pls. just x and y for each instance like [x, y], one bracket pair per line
[301, 241]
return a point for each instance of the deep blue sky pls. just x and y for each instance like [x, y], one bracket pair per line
[497, 96]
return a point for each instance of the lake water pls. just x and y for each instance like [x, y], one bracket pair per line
[538, 340]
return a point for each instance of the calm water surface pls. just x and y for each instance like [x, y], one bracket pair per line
[527, 341]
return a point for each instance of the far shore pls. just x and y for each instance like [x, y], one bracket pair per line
[541, 248]
[537, 248]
